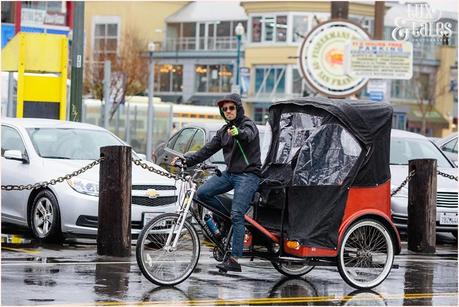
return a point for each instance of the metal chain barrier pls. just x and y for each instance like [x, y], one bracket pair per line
[404, 182]
[44, 184]
[447, 175]
[156, 171]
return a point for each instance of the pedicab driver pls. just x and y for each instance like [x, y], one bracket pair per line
[239, 139]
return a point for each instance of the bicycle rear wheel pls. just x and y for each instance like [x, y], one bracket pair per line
[161, 265]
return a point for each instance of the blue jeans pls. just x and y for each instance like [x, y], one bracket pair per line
[244, 185]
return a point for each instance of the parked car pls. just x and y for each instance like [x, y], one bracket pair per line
[449, 146]
[191, 138]
[36, 150]
[406, 146]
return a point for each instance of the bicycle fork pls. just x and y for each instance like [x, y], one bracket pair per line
[178, 225]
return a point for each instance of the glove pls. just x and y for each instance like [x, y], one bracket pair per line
[233, 131]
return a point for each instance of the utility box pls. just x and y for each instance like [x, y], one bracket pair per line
[40, 61]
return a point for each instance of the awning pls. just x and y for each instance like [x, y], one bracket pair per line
[202, 11]
[432, 117]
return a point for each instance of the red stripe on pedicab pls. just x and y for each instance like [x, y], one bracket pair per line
[262, 229]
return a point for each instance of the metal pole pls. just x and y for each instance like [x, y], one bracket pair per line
[76, 88]
[170, 121]
[107, 77]
[83, 112]
[127, 129]
[238, 59]
[150, 109]
[10, 105]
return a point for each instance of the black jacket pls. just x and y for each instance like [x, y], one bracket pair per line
[242, 152]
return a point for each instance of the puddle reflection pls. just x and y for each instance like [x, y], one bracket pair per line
[166, 294]
[418, 278]
[112, 280]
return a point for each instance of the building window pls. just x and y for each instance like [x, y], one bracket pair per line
[261, 115]
[269, 80]
[270, 28]
[7, 12]
[201, 35]
[256, 29]
[299, 87]
[281, 28]
[106, 37]
[214, 78]
[49, 6]
[168, 78]
[402, 89]
[300, 27]
[399, 121]
[365, 22]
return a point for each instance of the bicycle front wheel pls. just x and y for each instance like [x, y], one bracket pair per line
[161, 264]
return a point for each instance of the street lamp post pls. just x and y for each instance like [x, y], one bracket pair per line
[150, 114]
[239, 32]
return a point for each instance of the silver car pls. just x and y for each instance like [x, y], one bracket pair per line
[406, 146]
[36, 150]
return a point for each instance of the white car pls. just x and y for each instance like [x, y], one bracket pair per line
[449, 146]
[406, 146]
[37, 150]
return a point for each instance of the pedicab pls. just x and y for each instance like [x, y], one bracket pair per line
[324, 200]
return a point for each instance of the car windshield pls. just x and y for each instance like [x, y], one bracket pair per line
[71, 144]
[404, 149]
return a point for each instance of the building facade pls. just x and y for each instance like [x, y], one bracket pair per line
[197, 55]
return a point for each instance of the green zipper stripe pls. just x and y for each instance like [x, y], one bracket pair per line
[242, 151]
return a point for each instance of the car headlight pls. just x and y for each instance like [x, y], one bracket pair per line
[402, 193]
[84, 186]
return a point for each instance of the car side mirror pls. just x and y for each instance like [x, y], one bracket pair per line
[16, 155]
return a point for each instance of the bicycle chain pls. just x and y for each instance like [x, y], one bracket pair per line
[404, 182]
[44, 184]
[145, 166]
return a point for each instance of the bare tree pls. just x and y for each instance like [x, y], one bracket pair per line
[129, 72]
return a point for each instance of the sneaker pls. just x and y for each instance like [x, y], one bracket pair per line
[230, 265]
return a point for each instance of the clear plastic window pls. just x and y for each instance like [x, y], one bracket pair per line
[327, 157]
[295, 128]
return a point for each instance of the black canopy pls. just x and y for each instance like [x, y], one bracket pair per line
[319, 148]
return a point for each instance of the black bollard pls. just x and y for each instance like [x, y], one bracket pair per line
[114, 232]
[422, 206]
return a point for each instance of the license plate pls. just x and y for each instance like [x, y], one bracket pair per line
[448, 219]
[148, 216]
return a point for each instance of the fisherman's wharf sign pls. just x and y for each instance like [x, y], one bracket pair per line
[322, 57]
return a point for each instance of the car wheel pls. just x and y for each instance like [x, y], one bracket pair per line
[45, 217]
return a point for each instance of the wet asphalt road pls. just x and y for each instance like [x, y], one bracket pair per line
[35, 274]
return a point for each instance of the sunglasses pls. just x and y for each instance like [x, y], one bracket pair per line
[230, 108]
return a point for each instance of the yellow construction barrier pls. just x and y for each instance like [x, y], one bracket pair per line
[41, 62]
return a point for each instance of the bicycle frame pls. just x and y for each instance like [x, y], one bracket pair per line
[182, 211]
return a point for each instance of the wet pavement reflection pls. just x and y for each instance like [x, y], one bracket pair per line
[75, 274]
